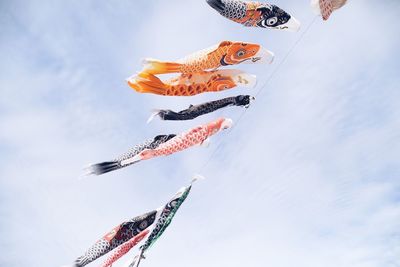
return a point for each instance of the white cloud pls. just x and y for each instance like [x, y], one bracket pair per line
[308, 177]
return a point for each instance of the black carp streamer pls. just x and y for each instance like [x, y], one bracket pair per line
[198, 110]
[255, 14]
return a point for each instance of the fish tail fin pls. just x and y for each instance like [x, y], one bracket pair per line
[155, 113]
[147, 83]
[103, 167]
[154, 66]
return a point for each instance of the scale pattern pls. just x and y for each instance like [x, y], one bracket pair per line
[124, 248]
[162, 223]
[328, 6]
[214, 82]
[183, 141]
[149, 144]
[195, 111]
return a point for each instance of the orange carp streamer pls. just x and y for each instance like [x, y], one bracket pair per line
[224, 54]
[191, 84]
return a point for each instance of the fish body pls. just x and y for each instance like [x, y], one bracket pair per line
[116, 237]
[224, 54]
[195, 111]
[325, 8]
[191, 84]
[255, 14]
[194, 136]
[124, 248]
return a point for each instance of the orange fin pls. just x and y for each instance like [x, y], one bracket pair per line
[154, 66]
[147, 83]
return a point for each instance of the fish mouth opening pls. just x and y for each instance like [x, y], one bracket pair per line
[227, 124]
[292, 25]
[263, 56]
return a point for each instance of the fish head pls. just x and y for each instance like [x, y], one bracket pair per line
[218, 125]
[273, 17]
[242, 100]
[144, 221]
[220, 82]
[226, 124]
[176, 198]
[239, 52]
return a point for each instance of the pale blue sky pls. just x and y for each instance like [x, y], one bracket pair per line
[308, 177]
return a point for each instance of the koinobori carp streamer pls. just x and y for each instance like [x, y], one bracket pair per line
[167, 214]
[195, 111]
[191, 84]
[255, 14]
[194, 136]
[116, 237]
[225, 53]
[120, 162]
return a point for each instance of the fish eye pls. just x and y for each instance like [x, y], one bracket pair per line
[143, 224]
[272, 21]
[173, 203]
[241, 53]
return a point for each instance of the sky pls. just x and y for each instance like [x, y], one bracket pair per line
[308, 176]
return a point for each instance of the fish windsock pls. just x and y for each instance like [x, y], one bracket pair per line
[120, 162]
[191, 84]
[255, 14]
[168, 212]
[326, 7]
[223, 54]
[116, 237]
[195, 111]
[195, 136]
[120, 251]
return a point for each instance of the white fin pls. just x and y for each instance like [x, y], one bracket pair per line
[206, 143]
[131, 160]
[154, 114]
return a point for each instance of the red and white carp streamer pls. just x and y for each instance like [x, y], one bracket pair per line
[124, 248]
[326, 7]
[195, 136]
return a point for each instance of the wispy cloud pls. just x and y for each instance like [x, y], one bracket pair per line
[309, 176]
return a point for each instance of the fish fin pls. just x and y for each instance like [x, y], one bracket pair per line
[206, 142]
[103, 167]
[154, 113]
[132, 160]
[220, 45]
[147, 83]
[218, 5]
[154, 66]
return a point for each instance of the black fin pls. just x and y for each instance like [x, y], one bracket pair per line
[217, 5]
[103, 167]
